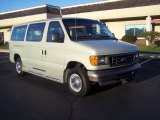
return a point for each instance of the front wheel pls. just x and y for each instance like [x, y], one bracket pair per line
[19, 67]
[78, 82]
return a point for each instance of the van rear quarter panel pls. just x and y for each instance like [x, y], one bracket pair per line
[17, 47]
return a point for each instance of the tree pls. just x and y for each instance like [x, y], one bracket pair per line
[129, 38]
[150, 36]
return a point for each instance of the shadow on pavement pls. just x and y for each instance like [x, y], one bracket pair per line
[148, 70]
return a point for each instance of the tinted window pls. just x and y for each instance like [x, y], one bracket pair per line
[55, 28]
[1, 36]
[135, 30]
[35, 32]
[18, 33]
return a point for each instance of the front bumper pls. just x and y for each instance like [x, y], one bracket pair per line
[113, 74]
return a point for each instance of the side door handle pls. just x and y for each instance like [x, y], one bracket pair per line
[45, 52]
[42, 52]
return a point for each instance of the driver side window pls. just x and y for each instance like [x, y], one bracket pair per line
[55, 29]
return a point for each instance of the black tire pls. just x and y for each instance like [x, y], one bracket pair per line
[18, 67]
[83, 86]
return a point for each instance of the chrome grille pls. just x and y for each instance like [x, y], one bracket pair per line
[123, 59]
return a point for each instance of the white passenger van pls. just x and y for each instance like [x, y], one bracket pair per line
[75, 51]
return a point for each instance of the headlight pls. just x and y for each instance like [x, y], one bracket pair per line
[98, 60]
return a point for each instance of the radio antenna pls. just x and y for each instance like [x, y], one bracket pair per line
[75, 24]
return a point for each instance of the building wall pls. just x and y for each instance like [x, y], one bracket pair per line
[119, 13]
[157, 28]
[118, 28]
[18, 20]
[6, 34]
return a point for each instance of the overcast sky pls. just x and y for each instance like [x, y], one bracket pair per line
[7, 5]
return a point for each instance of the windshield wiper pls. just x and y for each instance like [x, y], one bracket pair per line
[94, 37]
[107, 37]
[83, 37]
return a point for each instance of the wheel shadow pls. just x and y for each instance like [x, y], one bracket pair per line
[98, 89]
[44, 83]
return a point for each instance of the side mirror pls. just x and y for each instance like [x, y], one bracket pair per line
[55, 37]
[113, 34]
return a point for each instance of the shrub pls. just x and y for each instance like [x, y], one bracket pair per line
[129, 38]
[150, 36]
[6, 43]
[157, 43]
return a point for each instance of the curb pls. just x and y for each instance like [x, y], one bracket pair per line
[150, 55]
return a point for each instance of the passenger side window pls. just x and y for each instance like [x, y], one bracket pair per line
[18, 33]
[35, 32]
[55, 32]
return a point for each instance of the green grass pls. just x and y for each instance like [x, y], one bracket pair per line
[5, 46]
[149, 49]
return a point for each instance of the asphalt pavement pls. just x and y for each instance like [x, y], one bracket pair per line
[35, 98]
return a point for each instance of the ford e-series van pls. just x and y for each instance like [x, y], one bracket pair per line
[75, 51]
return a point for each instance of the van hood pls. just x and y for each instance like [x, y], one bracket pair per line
[107, 47]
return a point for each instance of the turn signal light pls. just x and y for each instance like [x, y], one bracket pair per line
[93, 60]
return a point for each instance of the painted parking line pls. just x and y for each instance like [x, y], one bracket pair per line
[145, 61]
[155, 56]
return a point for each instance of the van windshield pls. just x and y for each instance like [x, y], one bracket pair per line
[85, 29]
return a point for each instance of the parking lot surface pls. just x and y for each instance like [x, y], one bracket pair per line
[34, 98]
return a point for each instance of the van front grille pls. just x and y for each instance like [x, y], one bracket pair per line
[123, 59]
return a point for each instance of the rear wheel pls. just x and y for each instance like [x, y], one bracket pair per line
[78, 82]
[19, 67]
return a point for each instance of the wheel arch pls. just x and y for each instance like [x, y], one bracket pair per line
[70, 65]
[16, 56]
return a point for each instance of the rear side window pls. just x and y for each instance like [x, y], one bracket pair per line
[35, 32]
[18, 33]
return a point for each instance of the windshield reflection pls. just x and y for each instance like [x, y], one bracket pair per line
[85, 29]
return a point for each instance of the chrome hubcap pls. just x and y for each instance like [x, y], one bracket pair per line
[75, 82]
[18, 67]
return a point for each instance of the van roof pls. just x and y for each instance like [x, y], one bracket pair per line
[44, 20]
